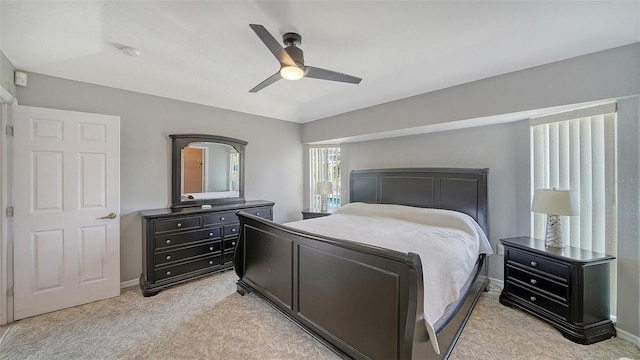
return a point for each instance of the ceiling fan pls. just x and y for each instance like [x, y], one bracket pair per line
[291, 60]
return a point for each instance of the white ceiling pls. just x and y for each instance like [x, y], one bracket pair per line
[205, 52]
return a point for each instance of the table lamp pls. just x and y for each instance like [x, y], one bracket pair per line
[324, 188]
[555, 203]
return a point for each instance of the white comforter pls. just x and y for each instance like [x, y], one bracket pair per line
[448, 243]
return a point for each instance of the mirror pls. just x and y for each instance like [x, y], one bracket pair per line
[206, 169]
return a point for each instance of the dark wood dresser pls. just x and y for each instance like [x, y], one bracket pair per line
[567, 287]
[184, 244]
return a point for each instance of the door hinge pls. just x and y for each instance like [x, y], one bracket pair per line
[9, 130]
[10, 291]
[10, 211]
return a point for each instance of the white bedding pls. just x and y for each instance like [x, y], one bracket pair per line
[448, 243]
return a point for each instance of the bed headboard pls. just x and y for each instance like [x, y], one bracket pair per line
[463, 190]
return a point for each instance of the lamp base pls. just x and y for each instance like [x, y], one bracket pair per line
[553, 236]
[323, 203]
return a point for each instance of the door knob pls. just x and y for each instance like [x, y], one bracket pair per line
[110, 216]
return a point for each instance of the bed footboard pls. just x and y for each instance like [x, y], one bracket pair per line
[359, 300]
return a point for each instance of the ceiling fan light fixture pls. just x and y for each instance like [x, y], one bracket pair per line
[291, 72]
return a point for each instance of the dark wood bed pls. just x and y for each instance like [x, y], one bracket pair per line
[363, 301]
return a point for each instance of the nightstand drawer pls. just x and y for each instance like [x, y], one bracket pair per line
[538, 263]
[183, 238]
[538, 282]
[541, 301]
[162, 258]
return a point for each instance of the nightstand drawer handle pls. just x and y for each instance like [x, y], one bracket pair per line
[533, 298]
[533, 263]
[534, 281]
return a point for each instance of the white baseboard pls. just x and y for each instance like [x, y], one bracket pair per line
[498, 282]
[129, 283]
[628, 336]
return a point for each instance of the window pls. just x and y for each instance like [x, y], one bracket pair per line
[324, 164]
[577, 150]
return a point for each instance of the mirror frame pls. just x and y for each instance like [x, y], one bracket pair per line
[179, 142]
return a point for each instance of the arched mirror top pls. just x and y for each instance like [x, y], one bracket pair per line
[206, 169]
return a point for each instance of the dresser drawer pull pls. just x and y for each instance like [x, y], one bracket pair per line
[533, 263]
[222, 218]
[211, 262]
[233, 243]
[533, 298]
[210, 234]
[179, 225]
[211, 248]
[257, 214]
[168, 272]
[168, 241]
[534, 281]
[233, 230]
[168, 257]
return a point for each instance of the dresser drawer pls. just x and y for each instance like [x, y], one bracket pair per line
[220, 218]
[170, 240]
[229, 244]
[264, 212]
[538, 263]
[230, 230]
[188, 267]
[543, 302]
[538, 282]
[187, 252]
[185, 223]
[227, 257]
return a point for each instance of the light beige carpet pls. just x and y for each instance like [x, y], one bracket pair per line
[206, 319]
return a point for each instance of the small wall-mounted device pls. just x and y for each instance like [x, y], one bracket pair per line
[20, 78]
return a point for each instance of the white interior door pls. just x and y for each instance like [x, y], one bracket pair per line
[66, 183]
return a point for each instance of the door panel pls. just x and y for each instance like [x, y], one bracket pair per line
[67, 180]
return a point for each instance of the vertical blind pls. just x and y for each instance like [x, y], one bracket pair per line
[324, 165]
[577, 150]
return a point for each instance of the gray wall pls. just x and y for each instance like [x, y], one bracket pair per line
[7, 74]
[146, 122]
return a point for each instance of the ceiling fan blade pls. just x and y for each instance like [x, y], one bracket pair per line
[324, 74]
[273, 45]
[268, 81]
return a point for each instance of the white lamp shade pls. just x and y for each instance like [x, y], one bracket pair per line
[555, 202]
[324, 188]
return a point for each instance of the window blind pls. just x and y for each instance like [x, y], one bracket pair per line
[577, 150]
[324, 165]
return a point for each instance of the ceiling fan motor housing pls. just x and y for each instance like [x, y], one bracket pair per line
[296, 54]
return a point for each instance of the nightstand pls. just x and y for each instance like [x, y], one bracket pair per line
[314, 213]
[566, 287]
